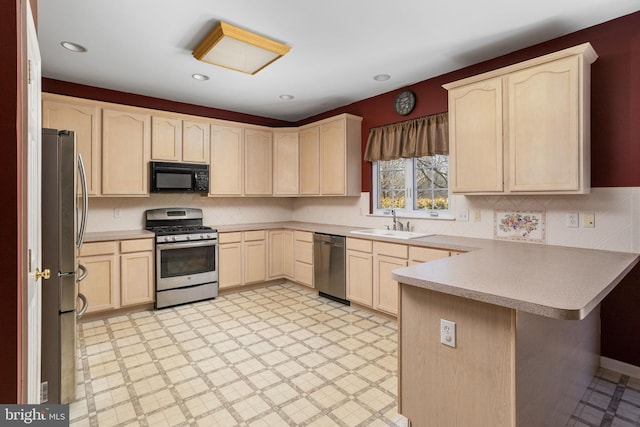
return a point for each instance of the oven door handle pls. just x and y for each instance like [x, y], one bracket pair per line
[200, 243]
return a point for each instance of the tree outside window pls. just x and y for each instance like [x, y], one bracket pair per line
[419, 185]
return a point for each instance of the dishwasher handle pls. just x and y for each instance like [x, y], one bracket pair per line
[328, 239]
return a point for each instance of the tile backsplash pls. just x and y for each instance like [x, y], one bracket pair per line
[616, 214]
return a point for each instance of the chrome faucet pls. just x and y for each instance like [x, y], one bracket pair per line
[397, 225]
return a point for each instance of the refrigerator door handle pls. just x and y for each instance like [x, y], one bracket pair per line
[85, 305]
[84, 273]
[85, 202]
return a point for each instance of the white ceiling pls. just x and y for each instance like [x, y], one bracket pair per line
[337, 46]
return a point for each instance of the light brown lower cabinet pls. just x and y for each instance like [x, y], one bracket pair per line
[255, 256]
[419, 255]
[386, 258]
[280, 250]
[248, 257]
[136, 272]
[120, 273]
[360, 271]
[369, 268]
[303, 255]
[230, 259]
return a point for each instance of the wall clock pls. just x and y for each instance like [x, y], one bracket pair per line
[405, 101]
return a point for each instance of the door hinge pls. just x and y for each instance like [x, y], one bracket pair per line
[28, 71]
[29, 261]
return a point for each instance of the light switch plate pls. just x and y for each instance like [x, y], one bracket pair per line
[588, 219]
[448, 333]
[463, 215]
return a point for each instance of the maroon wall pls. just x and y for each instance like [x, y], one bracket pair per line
[615, 136]
[615, 95]
[10, 194]
[90, 92]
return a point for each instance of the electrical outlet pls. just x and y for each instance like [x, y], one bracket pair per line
[463, 215]
[475, 214]
[572, 219]
[117, 212]
[448, 333]
[588, 219]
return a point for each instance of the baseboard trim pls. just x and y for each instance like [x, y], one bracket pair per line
[622, 367]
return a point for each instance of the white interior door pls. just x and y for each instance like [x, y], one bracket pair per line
[34, 235]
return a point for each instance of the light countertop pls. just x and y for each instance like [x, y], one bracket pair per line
[101, 236]
[552, 281]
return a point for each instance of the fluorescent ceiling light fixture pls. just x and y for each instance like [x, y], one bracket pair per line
[237, 49]
[73, 47]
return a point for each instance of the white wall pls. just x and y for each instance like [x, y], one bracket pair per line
[616, 211]
[617, 218]
[217, 211]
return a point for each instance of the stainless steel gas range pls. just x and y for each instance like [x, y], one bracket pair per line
[186, 256]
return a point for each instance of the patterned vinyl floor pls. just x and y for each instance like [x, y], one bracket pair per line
[272, 357]
[275, 356]
[612, 400]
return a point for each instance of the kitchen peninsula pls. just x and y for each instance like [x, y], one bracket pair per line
[527, 333]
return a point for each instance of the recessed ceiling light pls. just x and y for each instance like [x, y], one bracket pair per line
[287, 97]
[73, 47]
[381, 77]
[200, 77]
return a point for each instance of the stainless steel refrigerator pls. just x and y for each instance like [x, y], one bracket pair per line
[64, 218]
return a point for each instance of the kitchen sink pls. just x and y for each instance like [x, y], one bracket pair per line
[397, 234]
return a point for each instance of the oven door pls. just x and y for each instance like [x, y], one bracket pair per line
[186, 264]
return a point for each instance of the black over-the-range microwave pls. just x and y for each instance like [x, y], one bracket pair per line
[169, 177]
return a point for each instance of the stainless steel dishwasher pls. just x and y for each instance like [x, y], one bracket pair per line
[329, 262]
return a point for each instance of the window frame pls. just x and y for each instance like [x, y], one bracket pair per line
[410, 169]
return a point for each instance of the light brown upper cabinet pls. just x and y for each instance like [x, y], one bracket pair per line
[82, 117]
[523, 129]
[117, 141]
[241, 161]
[258, 162]
[174, 139]
[166, 138]
[195, 141]
[285, 162]
[126, 147]
[309, 161]
[226, 166]
[330, 157]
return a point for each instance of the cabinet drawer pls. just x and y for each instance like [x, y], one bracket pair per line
[254, 235]
[137, 245]
[303, 251]
[391, 249]
[303, 236]
[360, 245]
[98, 248]
[418, 254]
[230, 237]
